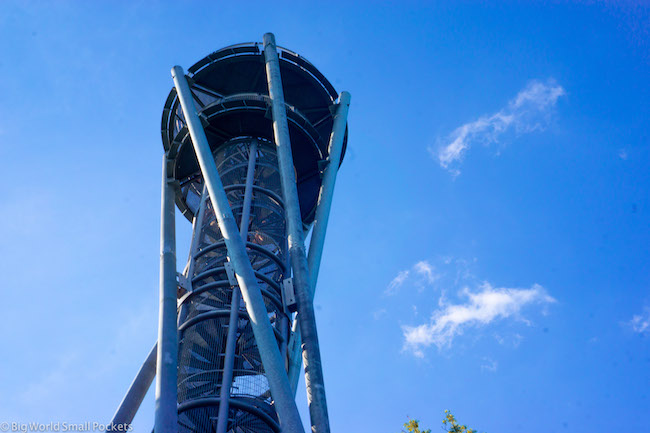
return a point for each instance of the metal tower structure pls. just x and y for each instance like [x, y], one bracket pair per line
[253, 138]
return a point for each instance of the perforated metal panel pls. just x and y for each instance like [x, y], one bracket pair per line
[206, 310]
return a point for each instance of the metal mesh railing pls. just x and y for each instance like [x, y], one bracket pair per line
[203, 333]
[244, 416]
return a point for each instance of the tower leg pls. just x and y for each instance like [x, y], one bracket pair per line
[320, 224]
[131, 403]
[229, 358]
[311, 350]
[166, 416]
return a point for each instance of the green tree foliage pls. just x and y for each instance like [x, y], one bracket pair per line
[449, 424]
[413, 426]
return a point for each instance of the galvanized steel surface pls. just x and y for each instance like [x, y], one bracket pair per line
[166, 419]
[311, 350]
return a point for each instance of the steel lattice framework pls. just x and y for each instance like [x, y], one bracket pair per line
[204, 322]
[253, 139]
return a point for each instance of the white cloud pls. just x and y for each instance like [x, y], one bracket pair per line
[489, 365]
[641, 322]
[513, 340]
[396, 283]
[425, 269]
[483, 307]
[378, 314]
[525, 113]
[420, 274]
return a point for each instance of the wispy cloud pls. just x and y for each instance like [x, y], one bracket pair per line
[482, 308]
[641, 322]
[527, 112]
[49, 385]
[73, 371]
[489, 364]
[396, 283]
[425, 269]
[513, 340]
[420, 274]
[378, 314]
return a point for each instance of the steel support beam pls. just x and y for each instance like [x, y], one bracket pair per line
[196, 229]
[229, 357]
[166, 416]
[133, 398]
[326, 193]
[310, 348]
[194, 248]
[321, 219]
[248, 191]
[264, 337]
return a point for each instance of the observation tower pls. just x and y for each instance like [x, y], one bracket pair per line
[253, 136]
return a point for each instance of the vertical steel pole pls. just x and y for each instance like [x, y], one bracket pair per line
[229, 357]
[321, 219]
[327, 188]
[166, 417]
[196, 229]
[295, 355]
[248, 192]
[264, 336]
[194, 248]
[136, 393]
[302, 286]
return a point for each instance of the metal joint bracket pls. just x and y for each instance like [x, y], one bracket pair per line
[333, 108]
[204, 120]
[231, 273]
[183, 281]
[322, 165]
[288, 295]
[293, 342]
[268, 114]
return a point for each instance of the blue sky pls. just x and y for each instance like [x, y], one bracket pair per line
[489, 241]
